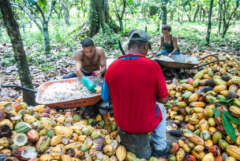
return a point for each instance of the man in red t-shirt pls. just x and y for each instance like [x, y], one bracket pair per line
[134, 84]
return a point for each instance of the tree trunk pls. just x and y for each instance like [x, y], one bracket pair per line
[196, 13]
[220, 16]
[209, 22]
[19, 53]
[227, 17]
[204, 15]
[59, 13]
[93, 19]
[172, 15]
[99, 17]
[164, 12]
[200, 16]
[178, 17]
[120, 13]
[121, 25]
[45, 33]
[66, 12]
[108, 19]
[189, 16]
[190, 12]
[225, 29]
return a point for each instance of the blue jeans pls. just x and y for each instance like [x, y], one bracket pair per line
[159, 138]
[165, 52]
[73, 75]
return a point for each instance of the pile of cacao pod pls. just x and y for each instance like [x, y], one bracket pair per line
[207, 109]
[39, 133]
[204, 106]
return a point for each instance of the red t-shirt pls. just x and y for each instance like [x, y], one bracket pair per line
[134, 85]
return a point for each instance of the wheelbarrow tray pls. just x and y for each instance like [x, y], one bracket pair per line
[181, 65]
[175, 65]
[82, 102]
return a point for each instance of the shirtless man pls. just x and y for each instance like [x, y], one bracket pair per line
[90, 60]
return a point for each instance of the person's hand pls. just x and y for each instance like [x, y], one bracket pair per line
[79, 74]
[154, 53]
[98, 73]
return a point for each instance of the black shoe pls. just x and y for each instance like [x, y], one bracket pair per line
[162, 153]
[176, 133]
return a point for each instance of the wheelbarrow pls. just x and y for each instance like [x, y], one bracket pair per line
[182, 65]
[81, 102]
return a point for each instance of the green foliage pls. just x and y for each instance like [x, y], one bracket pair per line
[226, 118]
[107, 39]
[32, 2]
[8, 59]
[232, 118]
[42, 3]
[228, 128]
[65, 39]
[46, 67]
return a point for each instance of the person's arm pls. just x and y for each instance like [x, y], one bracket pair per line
[162, 92]
[102, 62]
[105, 91]
[78, 64]
[159, 46]
[175, 45]
[162, 100]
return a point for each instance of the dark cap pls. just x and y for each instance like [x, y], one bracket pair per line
[139, 35]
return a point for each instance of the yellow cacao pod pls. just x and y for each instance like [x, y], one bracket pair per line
[206, 76]
[194, 120]
[235, 111]
[181, 104]
[57, 151]
[39, 108]
[238, 92]
[193, 98]
[230, 159]
[238, 140]
[197, 104]
[65, 158]
[199, 148]
[56, 140]
[75, 159]
[74, 145]
[6, 122]
[194, 138]
[233, 151]
[108, 149]
[179, 118]
[43, 144]
[219, 88]
[198, 155]
[130, 156]
[6, 151]
[172, 93]
[224, 93]
[121, 153]
[62, 130]
[198, 110]
[196, 83]
[180, 154]
[45, 157]
[188, 87]
[208, 143]
[208, 157]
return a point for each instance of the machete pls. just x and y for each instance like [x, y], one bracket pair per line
[120, 46]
